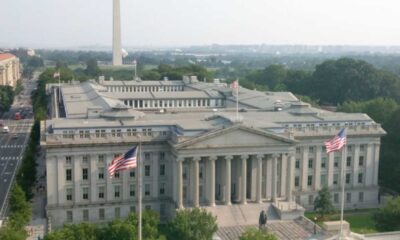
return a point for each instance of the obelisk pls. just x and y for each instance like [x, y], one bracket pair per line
[117, 46]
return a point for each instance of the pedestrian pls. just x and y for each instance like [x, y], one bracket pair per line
[262, 220]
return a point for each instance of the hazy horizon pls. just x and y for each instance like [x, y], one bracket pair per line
[182, 23]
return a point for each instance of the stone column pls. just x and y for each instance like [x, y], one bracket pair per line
[355, 163]
[283, 177]
[180, 184]
[211, 193]
[317, 169]
[304, 169]
[244, 180]
[289, 182]
[376, 164]
[259, 175]
[228, 180]
[369, 173]
[274, 179]
[196, 181]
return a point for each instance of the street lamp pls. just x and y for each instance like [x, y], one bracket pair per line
[315, 225]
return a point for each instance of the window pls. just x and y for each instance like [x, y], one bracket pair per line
[147, 189]
[97, 133]
[103, 133]
[101, 213]
[201, 172]
[68, 160]
[85, 193]
[162, 155]
[132, 173]
[361, 161]
[68, 174]
[117, 190]
[69, 194]
[349, 148]
[323, 162]
[132, 190]
[162, 188]
[348, 197]
[348, 178]
[101, 192]
[297, 150]
[296, 181]
[336, 162]
[85, 159]
[362, 147]
[85, 174]
[311, 149]
[323, 180]
[113, 132]
[309, 180]
[116, 175]
[101, 172]
[147, 170]
[85, 215]
[162, 170]
[360, 178]
[297, 163]
[69, 216]
[310, 199]
[361, 196]
[310, 163]
[118, 132]
[117, 212]
[147, 156]
[348, 161]
[101, 159]
[335, 179]
[336, 198]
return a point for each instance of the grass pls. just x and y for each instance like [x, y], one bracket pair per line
[361, 221]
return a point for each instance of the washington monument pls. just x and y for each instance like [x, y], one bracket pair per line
[117, 48]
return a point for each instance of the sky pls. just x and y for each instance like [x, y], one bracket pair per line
[160, 23]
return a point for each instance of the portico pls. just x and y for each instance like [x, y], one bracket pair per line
[242, 165]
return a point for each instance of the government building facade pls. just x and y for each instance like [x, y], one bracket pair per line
[197, 150]
[9, 70]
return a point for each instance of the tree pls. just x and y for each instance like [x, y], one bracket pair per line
[192, 224]
[323, 203]
[92, 69]
[388, 217]
[20, 208]
[82, 231]
[255, 234]
[9, 233]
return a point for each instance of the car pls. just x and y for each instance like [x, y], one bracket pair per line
[5, 129]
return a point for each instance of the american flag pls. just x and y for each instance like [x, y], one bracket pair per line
[337, 142]
[235, 84]
[125, 161]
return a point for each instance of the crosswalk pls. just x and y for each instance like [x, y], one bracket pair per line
[11, 158]
[11, 146]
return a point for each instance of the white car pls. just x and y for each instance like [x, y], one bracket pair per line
[6, 129]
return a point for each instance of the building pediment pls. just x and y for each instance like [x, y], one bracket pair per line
[236, 136]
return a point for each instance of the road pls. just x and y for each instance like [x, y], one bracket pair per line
[13, 143]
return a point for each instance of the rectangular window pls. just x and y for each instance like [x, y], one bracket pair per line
[85, 159]
[85, 215]
[147, 156]
[348, 178]
[97, 133]
[103, 133]
[162, 188]
[361, 161]
[68, 175]
[323, 162]
[348, 197]
[297, 150]
[309, 180]
[162, 170]
[132, 190]
[87, 134]
[323, 180]
[68, 160]
[117, 212]
[147, 189]
[311, 149]
[101, 172]
[296, 181]
[147, 170]
[162, 155]
[85, 193]
[118, 132]
[360, 178]
[348, 161]
[361, 196]
[101, 192]
[297, 163]
[81, 133]
[101, 213]
[113, 132]
[335, 179]
[132, 173]
[101, 159]
[69, 216]
[310, 199]
[117, 190]
[116, 175]
[362, 147]
[310, 163]
[336, 197]
[349, 148]
[336, 162]
[69, 194]
[85, 174]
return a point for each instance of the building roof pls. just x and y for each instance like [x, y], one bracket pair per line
[5, 56]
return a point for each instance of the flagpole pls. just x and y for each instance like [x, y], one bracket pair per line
[344, 156]
[237, 101]
[140, 188]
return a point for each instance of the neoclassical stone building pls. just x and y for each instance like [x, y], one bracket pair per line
[196, 151]
[9, 69]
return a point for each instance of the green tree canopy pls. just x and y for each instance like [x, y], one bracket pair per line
[192, 224]
[255, 234]
[388, 217]
[92, 69]
[323, 202]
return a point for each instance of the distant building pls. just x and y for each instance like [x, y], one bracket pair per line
[196, 151]
[9, 69]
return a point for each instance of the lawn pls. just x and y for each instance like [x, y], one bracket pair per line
[361, 221]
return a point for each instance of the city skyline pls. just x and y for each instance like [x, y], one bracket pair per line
[185, 23]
